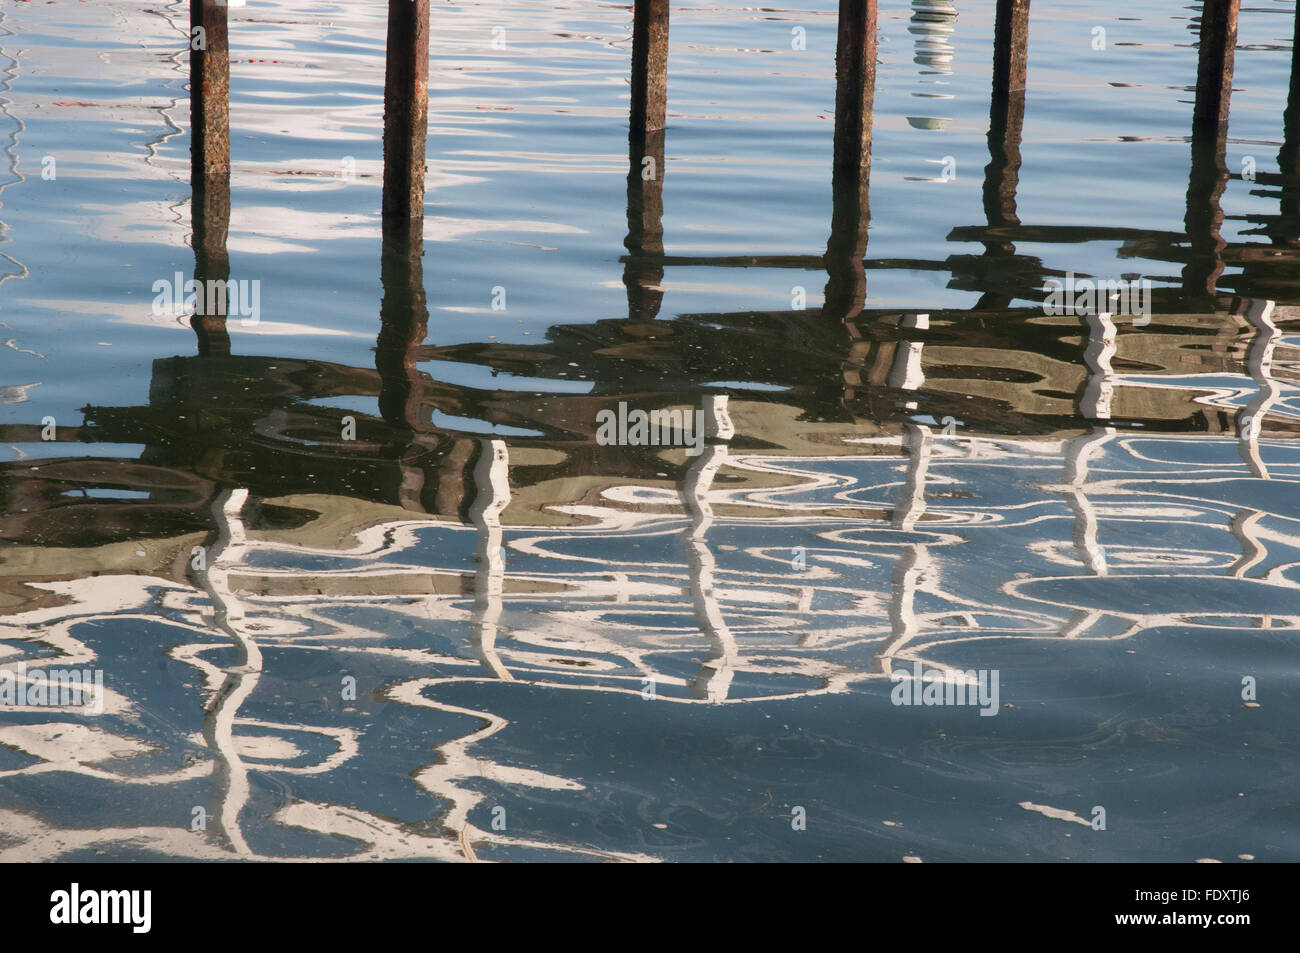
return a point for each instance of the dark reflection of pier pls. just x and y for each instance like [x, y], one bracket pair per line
[218, 420]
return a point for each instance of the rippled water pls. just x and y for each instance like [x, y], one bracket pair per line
[477, 630]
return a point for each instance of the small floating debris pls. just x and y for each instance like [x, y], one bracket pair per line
[1055, 813]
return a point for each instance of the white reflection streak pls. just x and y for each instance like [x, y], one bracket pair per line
[1259, 363]
[1100, 387]
[492, 481]
[1079, 453]
[713, 680]
[914, 560]
[232, 790]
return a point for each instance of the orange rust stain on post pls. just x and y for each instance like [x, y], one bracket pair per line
[210, 162]
[209, 89]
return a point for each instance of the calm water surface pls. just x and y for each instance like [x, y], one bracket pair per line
[477, 631]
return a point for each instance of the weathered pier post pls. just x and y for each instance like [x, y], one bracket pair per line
[404, 313]
[1007, 111]
[210, 163]
[406, 118]
[1209, 175]
[643, 270]
[209, 90]
[1218, 43]
[855, 83]
[649, 65]
[1006, 127]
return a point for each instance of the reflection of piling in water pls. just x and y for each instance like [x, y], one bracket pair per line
[1209, 175]
[914, 562]
[231, 789]
[1079, 452]
[855, 83]
[643, 272]
[1245, 525]
[210, 162]
[406, 117]
[404, 317]
[713, 680]
[1259, 364]
[492, 495]
[1094, 405]
[404, 314]
[1006, 128]
[932, 24]
[906, 372]
[914, 559]
[1099, 387]
[1288, 157]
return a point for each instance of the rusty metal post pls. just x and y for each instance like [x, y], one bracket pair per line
[210, 163]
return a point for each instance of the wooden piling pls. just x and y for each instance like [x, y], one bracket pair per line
[404, 312]
[1209, 171]
[1006, 127]
[210, 163]
[1218, 42]
[649, 65]
[855, 83]
[1007, 111]
[406, 118]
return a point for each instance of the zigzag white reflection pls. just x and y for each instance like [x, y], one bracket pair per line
[1097, 537]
